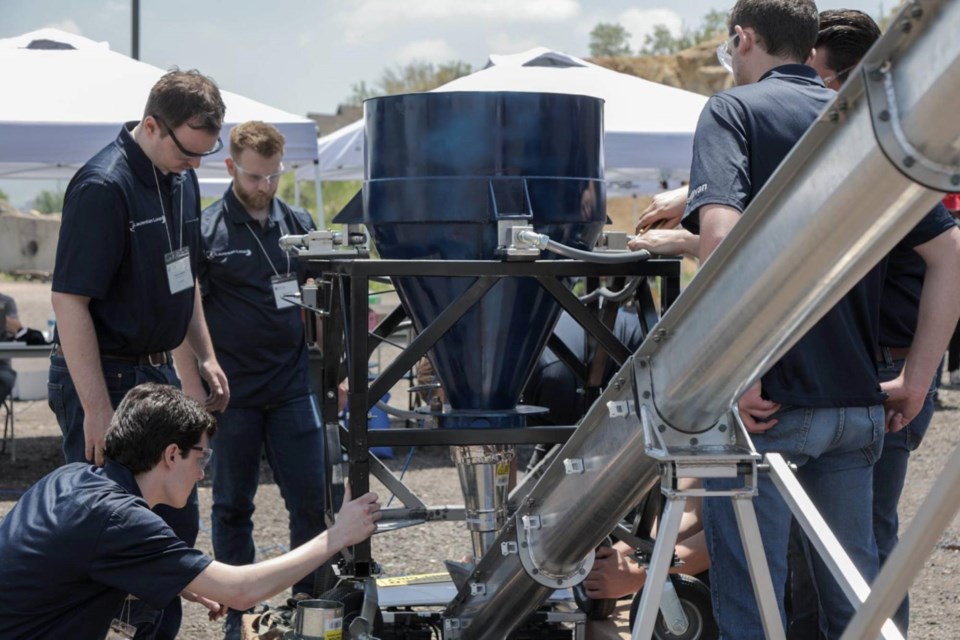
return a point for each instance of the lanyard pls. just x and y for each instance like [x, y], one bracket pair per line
[260, 244]
[163, 211]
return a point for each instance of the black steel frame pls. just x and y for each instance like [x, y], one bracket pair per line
[346, 283]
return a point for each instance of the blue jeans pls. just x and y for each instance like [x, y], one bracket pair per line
[889, 474]
[834, 450]
[120, 377]
[292, 434]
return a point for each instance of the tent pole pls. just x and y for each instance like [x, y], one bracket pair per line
[316, 184]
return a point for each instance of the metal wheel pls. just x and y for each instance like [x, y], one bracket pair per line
[695, 599]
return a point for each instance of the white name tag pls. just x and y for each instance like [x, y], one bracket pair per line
[179, 274]
[286, 291]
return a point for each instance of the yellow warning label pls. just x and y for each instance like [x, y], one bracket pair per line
[503, 468]
[422, 578]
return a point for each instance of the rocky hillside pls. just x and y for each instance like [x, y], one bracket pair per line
[694, 69]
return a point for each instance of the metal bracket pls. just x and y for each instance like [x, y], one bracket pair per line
[453, 628]
[885, 115]
[478, 589]
[510, 245]
[573, 466]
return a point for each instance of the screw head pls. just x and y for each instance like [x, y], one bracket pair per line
[661, 428]
[722, 428]
[646, 395]
[884, 116]
[909, 161]
[694, 441]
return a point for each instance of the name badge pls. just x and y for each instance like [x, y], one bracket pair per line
[179, 274]
[286, 290]
[120, 631]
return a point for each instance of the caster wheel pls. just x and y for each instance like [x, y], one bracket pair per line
[695, 599]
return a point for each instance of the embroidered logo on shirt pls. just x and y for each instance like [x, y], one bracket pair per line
[134, 225]
[223, 254]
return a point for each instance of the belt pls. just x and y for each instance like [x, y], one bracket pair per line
[891, 353]
[157, 359]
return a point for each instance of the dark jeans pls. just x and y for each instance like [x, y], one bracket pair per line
[834, 450]
[889, 473]
[120, 377]
[292, 435]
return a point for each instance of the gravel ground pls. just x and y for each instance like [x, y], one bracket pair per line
[935, 595]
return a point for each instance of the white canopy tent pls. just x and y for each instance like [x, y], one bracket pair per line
[67, 96]
[648, 126]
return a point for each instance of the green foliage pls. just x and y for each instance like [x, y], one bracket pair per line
[3, 196]
[612, 39]
[49, 201]
[416, 76]
[608, 39]
[335, 195]
[663, 42]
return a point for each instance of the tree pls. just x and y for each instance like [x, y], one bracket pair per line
[714, 23]
[3, 196]
[415, 76]
[49, 201]
[336, 194]
[663, 42]
[608, 39]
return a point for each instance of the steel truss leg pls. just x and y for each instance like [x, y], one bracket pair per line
[662, 557]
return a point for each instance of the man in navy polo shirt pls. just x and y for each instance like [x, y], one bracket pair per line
[820, 405]
[83, 537]
[258, 334]
[124, 289]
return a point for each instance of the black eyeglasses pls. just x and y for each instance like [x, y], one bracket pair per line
[187, 152]
[205, 458]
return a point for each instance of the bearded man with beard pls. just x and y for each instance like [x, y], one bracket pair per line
[246, 282]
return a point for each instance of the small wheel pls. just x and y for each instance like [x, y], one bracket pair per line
[352, 600]
[697, 607]
[594, 609]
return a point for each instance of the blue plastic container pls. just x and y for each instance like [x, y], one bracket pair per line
[441, 169]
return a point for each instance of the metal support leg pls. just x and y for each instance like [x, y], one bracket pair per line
[910, 555]
[660, 563]
[757, 564]
[828, 547]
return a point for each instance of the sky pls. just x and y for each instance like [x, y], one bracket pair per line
[305, 55]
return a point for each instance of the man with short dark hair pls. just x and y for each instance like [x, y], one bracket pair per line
[249, 286]
[124, 287]
[84, 537]
[820, 405]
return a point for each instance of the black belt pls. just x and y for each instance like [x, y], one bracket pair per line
[157, 359]
[891, 353]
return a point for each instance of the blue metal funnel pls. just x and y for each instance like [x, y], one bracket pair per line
[441, 169]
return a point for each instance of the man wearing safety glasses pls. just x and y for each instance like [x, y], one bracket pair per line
[820, 404]
[84, 537]
[250, 288]
[124, 286]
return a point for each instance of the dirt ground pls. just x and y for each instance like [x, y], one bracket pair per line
[935, 595]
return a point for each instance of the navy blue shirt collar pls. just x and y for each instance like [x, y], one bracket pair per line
[122, 476]
[238, 214]
[141, 165]
[794, 72]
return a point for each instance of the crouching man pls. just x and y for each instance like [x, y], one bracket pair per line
[84, 537]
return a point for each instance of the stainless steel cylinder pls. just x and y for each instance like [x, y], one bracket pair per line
[485, 472]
